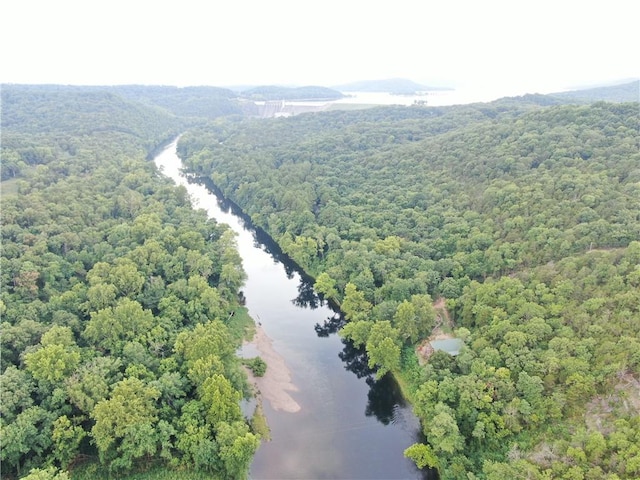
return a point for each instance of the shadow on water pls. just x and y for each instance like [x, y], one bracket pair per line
[385, 401]
[262, 239]
[307, 297]
[385, 396]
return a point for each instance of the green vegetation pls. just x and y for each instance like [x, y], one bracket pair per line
[118, 346]
[257, 366]
[151, 472]
[189, 102]
[119, 301]
[259, 423]
[523, 214]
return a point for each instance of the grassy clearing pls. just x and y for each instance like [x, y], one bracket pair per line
[9, 187]
[241, 325]
[259, 423]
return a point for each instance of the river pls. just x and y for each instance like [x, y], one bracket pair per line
[336, 422]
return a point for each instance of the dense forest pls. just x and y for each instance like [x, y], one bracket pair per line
[119, 302]
[521, 215]
[513, 226]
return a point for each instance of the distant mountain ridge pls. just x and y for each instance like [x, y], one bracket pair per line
[623, 92]
[196, 101]
[399, 86]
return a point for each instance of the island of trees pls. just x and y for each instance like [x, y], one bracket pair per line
[513, 226]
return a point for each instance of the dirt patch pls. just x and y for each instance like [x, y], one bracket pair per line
[624, 399]
[603, 249]
[276, 383]
[439, 303]
[442, 314]
[424, 350]
[440, 335]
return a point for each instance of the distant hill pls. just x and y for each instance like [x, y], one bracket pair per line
[82, 109]
[624, 92]
[273, 92]
[399, 86]
[203, 101]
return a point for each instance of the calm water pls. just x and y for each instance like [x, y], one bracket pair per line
[435, 98]
[349, 426]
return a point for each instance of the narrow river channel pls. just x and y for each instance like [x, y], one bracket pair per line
[329, 418]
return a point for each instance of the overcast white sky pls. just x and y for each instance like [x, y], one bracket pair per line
[518, 45]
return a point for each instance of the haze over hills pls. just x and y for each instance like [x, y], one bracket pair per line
[273, 92]
[628, 91]
[390, 85]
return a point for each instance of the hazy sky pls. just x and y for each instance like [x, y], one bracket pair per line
[517, 45]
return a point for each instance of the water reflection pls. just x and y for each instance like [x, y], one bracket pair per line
[355, 360]
[384, 399]
[307, 297]
[330, 326]
[262, 240]
[350, 425]
[384, 396]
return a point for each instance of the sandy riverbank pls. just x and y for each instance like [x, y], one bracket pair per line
[276, 383]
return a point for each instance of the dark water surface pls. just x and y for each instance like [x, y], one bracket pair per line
[349, 426]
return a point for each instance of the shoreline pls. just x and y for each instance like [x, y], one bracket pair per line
[275, 385]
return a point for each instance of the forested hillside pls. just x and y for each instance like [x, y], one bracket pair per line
[524, 215]
[624, 92]
[119, 302]
[189, 102]
[40, 121]
[521, 217]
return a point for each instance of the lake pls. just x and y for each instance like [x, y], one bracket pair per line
[433, 98]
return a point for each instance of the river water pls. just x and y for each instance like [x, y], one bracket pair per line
[344, 424]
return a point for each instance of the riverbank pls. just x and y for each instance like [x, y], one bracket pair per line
[274, 386]
[317, 406]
